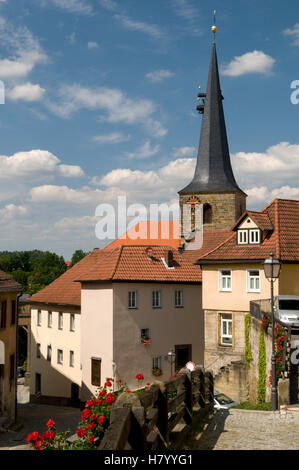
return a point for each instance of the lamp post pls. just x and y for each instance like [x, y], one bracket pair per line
[171, 356]
[272, 270]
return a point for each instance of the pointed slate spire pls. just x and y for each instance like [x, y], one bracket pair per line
[213, 171]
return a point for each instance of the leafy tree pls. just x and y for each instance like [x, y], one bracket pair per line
[34, 269]
[77, 256]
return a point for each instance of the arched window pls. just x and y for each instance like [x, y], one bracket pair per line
[207, 214]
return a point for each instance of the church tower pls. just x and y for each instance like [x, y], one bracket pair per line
[213, 184]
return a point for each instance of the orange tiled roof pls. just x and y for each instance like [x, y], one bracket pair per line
[282, 239]
[7, 283]
[132, 263]
[162, 232]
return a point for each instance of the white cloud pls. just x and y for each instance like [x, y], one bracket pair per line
[25, 51]
[35, 164]
[109, 4]
[92, 45]
[251, 62]
[11, 210]
[293, 32]
[71, 224]
[57, 194]
[144, 151]
[277, 164]
[112, 138]
[139, 26]
[184, 151]
[112, 101]
[26, 92]
[159, 75]
[74, 6]
[187, 10]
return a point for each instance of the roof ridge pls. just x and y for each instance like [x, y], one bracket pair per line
[118, 259]
[108, 253]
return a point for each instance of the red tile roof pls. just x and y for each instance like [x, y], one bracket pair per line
[7, 283]
[132, 263]
[261, 219]
[283, 241]
[162, 232]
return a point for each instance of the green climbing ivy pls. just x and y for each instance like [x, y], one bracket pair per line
[248, 354]
[261, 386]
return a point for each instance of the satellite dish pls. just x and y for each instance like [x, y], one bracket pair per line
[190, 366]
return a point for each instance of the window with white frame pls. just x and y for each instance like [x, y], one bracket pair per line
[132, 299]
[178, 298]
[253, 280]
[49, 319]
[243, 237]
[59, 356]
[254, 236]
[72, 322]
[226, 329]
[156, 299]
[60, 320]
[72, 358]
[39, 318]
[225, 280]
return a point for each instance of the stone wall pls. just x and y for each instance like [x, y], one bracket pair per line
[227, 207]
[232, 380]
[217, 356]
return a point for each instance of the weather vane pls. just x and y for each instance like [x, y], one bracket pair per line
[214, 27]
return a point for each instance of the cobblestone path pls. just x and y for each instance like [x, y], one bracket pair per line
[250, 430]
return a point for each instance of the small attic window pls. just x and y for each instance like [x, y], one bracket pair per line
[242, 237]
[249, 236]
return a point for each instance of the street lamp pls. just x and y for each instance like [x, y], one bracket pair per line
[171, 355]
[272, 269]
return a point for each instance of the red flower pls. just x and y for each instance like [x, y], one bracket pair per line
[89, 403]
[94, 416]
[108, 384]
[109, 398]
[34, 437]
[50, 423]
[91, 426]
[48, 436]
[81, 432]
[170, 378]
[91, 439]
[85, 414]
[101, 419]
[139, 377]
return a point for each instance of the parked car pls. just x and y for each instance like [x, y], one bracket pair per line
[222, 401]
[286, 309]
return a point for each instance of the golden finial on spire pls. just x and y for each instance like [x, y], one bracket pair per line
[214, 27]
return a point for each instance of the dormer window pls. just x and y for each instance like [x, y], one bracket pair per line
[254, 236]
[242, 237]
[250, 236]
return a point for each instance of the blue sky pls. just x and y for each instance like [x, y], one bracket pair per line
[101, 97]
